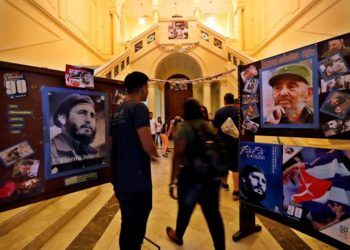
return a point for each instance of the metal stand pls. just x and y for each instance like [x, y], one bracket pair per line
[247, 224]
[152, 242]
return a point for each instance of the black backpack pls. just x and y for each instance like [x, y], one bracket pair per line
[209, 159]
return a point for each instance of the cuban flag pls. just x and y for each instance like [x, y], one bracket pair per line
[327, 178]
[324, 188]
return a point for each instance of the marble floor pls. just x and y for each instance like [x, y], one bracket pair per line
[94, 223]
[197, 236]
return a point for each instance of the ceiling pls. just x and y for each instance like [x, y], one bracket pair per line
[168, 8]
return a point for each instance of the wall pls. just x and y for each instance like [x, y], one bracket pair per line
[272, 27]
[54, 33]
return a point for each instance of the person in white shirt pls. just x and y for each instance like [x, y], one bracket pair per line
[158, 140]
[152, 124]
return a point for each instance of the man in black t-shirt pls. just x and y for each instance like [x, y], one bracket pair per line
[229, 110]
[132, 151]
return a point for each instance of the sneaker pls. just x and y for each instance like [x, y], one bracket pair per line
[235, 195]
[172, 236]
[225, 186]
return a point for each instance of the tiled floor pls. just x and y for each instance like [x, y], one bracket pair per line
[197, 235]
[96, 225]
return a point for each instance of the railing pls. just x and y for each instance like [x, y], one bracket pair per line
[156, 37]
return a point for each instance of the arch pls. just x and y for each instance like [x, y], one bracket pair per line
[178, 63]
[190, 56]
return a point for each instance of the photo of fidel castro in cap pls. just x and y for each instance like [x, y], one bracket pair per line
[77, 131]
[287, 95]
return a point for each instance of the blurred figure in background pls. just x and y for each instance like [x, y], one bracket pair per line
[229, 110]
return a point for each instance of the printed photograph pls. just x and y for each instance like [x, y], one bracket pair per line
[338, 83]
[217, 43]
[315, 182]
[251, 85]
[250, 72]
[337, 104]
[251, 126]
[151, 37]
[27, 168]
[119, 97]
[289, 95]
[336, 45]
[249, 98]
[250, 111]
[76, 139]
[178, 30]
[260, 175]
[79, 77]
[11, 155]
[15, 85]
[138, 46]
[204, 35]
[336, 126]
[333, 66]
[28, 187]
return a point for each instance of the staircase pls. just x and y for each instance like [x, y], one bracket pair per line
[74, 221]
[155, 39]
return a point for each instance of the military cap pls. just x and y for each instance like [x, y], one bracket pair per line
[292, 69]
[69, 102]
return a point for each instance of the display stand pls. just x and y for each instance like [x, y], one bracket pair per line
[247, 224]
[29, 99]
[305, 187]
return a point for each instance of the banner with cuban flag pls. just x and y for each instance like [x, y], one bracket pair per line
[316, 189]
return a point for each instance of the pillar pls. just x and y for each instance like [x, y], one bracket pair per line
[240, 26]
[207, 95]
[152, 97]
[162, 100]
[223, 91]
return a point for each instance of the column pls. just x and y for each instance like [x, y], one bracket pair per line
[155, 12]
[162, 100]
[152, 97]
[239, 19]
[223, 91]
[207, 95]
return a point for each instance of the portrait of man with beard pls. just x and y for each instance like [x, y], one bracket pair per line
[252, 184]
[76, 117]
[292, 95]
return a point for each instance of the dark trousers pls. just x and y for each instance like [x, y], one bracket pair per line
[207, 195]
[135, 209]
[158, 139]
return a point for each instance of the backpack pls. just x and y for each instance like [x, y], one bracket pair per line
[229, 128]
[209, 158]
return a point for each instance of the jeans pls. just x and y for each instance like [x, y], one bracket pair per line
[135, 209]
[158, 140]
[207, 195]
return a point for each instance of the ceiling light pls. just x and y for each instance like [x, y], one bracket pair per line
[142, 20]
[211, 19]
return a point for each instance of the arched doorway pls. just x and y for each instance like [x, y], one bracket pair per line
[175, 95]
[176, 66]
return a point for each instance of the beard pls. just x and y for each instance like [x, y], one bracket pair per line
[73, 131]
[252, 194]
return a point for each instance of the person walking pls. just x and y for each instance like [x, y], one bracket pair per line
[192, 187]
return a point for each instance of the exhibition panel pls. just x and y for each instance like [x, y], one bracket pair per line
[300, 93]
[54, 133]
